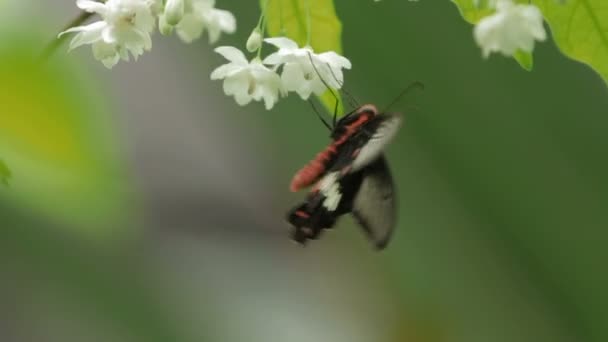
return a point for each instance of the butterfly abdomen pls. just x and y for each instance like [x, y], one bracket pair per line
[314, 169]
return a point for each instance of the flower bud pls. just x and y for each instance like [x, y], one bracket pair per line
[174, 11]
[255, 40]
[164, 28]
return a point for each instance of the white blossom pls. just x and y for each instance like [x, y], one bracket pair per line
[192, 17]
[246, 80]
[125, 28]
[300, 74]
[512, 27]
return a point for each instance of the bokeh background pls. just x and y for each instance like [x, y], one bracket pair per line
[145, 205]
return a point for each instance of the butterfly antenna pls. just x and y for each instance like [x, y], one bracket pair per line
[351, 99]
[328, 88]
[314, 108]
[411, 86]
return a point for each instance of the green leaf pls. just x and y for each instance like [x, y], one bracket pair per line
[471, 12]
[524, 59]
[5, 173]
[55, 133]
[580, 30]
[474, 13]
[289, 18]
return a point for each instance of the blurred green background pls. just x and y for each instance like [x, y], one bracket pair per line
[145, 205]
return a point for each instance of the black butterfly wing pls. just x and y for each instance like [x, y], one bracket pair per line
[374, 205]
[332, 197]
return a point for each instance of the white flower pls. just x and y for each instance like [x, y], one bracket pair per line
[245, 80]
[192, 17]
[513, 27]
[299, 74]
[125, 27]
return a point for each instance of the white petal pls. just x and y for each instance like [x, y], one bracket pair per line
[270, 97]
[224, 70]
[203, 4]
[106, 53]
[110, 62]
[261, 72]
[124, 54]
[242, 98]
[238, 86]
[335, 60]
[317, 87]
[331, 69]
[214, 34]
[293, 79]
[274, 59]
[88, 34]
[92, 6]
[282, 43]
[145, 39]
[232, 54]
[534, 17]
[145, 20]
[190, 28]
[292, 76]
[226, 20]
[218, 21]
[237, 83]
[109, 35]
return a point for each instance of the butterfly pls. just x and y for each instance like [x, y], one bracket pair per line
[350, 175]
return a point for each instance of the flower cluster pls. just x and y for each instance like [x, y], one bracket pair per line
[511, 28]
[302, 71]
[126, 25]
[191, 17]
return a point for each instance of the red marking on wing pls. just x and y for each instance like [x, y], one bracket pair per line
[316, 167]
[302, 214]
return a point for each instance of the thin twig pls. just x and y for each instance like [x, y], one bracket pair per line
[55, 43]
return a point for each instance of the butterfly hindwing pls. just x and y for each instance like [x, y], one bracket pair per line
[374, 206]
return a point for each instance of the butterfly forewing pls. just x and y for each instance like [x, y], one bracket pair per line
[378, 133]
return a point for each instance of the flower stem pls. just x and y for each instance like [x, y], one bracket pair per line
[262, 25]
[308, 25]
[262, 15]
[55, 43]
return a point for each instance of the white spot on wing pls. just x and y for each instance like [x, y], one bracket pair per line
[330, 188]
